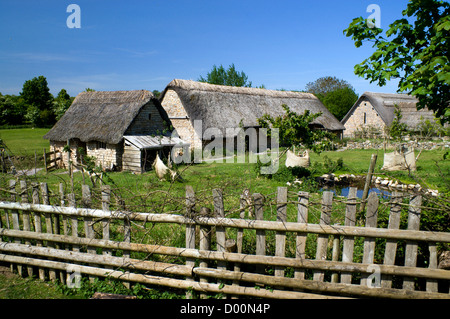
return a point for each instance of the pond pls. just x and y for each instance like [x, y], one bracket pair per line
[343, 191]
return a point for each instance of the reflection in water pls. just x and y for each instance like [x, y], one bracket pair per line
[385, 194]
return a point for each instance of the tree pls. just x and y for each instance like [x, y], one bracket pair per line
[339, 102]
[324, 85]
[295, 130]
[336, 94]
[415, 50]
[230, 77]
[37, 97]
[12, 110]
[61, 103]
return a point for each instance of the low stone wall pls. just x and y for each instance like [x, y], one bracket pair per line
[418, 145]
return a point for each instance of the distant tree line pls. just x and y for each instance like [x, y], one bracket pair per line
[35, 105]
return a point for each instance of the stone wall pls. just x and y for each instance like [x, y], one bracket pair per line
[108, 157]
[364, 116]
[180, 120]
[147, 122]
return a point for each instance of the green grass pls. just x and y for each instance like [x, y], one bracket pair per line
[25, 141]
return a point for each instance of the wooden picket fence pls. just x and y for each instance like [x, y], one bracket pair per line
[61, 242]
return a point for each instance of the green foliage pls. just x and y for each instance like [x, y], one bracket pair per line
[397, 129]
[230, 77]
[35, 105]
[414, 50]
[12, 110]
[295, 130]
[340, 101]
[61, 103]
[325, 85]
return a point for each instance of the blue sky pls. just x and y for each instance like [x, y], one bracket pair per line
[126, 45]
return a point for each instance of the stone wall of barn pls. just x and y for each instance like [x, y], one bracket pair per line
[109, 156]
[147, 122]
[59, 148]
[363, 117]
[180, 120]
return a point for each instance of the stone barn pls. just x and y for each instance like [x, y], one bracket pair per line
[120, 129]
[226, 107]
[376, 110]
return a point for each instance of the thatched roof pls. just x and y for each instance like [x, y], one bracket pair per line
[232, 107]
[101, 116]
[384, 105]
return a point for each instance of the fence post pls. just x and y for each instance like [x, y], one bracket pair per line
[258, 202]
[391, 244]
[190, 232]
[205, 242]
[322, 240]
[48, 223]
[106, 199]
[373, 162]
[280, 237]
[26, 217]
[15, 220]
[37, 222]
[369, 243]
[411, 246]
[302, 217]
[219, 212]
[349, 241]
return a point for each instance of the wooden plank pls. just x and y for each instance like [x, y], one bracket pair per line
[391, 244]
[240, 234]
[369, 243]
[322, 240]
[258, 202]
[401, 234]
[190, 233]
[302, 217]
[37, 222]
[219, 212]
[234, 257]
[26, 218]
[280, 237]
[106, 199]
[414, 212]
[349, 241]
[15, 220]
[432, 284]
[205, 243]
[63, 203]
[48, 223]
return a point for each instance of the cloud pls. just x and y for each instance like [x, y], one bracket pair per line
[41, 57]
[136, 53]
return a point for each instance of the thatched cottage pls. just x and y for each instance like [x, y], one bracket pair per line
[376, 110]
[223, 107]
[121, 129]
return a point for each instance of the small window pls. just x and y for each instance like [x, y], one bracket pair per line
[150, 116]
[365, 118]
[101, 145]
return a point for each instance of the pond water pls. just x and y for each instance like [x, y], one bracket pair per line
[343, 191]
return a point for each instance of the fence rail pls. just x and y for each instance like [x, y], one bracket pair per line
[246, 256]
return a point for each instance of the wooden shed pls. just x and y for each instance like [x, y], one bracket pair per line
[96, 125]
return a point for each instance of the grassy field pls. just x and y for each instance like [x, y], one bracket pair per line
[25, 141]
[146, 193]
